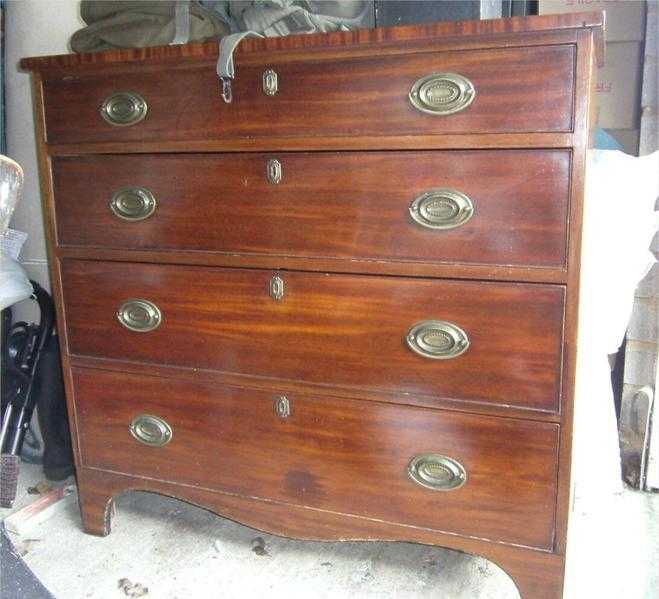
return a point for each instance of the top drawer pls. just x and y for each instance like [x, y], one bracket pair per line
[528, 89]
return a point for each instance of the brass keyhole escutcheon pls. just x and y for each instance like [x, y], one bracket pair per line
[270, 82]
[282, 407]
[274, 171]
[277, 288]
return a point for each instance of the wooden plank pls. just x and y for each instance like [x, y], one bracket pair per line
[328, 205]
[517, 90]
[329, 454]
[330, 329]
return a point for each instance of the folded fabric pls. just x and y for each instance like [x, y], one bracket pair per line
[14, 284]
[114, 24]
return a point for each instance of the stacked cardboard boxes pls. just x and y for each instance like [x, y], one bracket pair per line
[618, 93]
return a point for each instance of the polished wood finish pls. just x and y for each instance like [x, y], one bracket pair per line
[337, 330]
[328, 205]
[588, 57]
[219, 379]
[538, 575]
[336, 455]
[450, 141]
[548, 270]
[408, 36]
[531, 274]
[517, 90]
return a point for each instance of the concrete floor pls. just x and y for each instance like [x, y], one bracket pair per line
[178, 551]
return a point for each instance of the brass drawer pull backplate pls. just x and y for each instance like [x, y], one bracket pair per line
[442, 209]
[442, 94]
[123, 109]
[139, 315]
[437, 472]
[133, 203]
[151, 430]
[437, 339]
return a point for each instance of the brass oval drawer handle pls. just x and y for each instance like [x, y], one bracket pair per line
[139, 315]
[442, 209]
[123, 109]
[437, 472]
[437, 339]
[151, 430]
[133, 203]
[442, 93]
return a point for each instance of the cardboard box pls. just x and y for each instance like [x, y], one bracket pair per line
[625, 19]
[618, 87]
[627, 138]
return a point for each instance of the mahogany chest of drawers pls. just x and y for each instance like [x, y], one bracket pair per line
[341, 306]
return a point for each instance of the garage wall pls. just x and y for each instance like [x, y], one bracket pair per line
[32, 28]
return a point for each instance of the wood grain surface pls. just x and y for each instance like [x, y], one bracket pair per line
[537, 574]
[336, 330]
[381, 39]
[335, 340]
[517, 90]
[329, 205]
[343, 456]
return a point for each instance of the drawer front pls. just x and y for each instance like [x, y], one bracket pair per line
[339, 455]
[372, 205]
[341, 330]
[528, 89]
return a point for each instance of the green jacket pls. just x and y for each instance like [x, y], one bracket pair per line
[135, 24]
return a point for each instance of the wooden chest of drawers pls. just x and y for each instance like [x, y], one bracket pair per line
[341, 306]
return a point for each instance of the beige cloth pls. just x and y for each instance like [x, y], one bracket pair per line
[115, 24]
